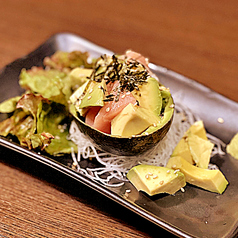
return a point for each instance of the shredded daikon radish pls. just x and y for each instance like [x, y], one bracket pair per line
[113, 168]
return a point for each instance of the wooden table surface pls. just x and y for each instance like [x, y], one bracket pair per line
[195, 38]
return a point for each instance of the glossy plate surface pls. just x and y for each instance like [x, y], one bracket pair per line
[195, 213]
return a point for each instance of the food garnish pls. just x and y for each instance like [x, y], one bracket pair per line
[232, 147]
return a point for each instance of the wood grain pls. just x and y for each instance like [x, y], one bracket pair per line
[195, 38]
[37, 201]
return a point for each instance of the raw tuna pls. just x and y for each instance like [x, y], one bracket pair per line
[137, 56]
[111, 109]
[90, 116]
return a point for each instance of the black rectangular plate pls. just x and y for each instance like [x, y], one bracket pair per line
[195, 213]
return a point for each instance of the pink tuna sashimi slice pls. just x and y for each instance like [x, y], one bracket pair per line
[137, 56]
[103, 126]
[91, 114]
[110, 110]
[93, 111]
[141, 59]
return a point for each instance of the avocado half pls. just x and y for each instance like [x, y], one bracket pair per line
[127, 146]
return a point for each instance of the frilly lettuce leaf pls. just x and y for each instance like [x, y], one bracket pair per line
[39, 123]
[51, 84]
[48, 83]
[41, 141]
[8, 126]
[39, 116]
[21, 125]
[23, 122]
[30, 103]
[53, 118]
[26, 131]
[65, 61]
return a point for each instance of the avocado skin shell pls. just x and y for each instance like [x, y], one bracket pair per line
[123, 146]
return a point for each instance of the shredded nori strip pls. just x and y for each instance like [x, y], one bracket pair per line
[129, 72]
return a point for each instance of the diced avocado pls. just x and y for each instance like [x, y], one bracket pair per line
[198, 129]
[154, 179]
[167, 115]
[89, 94]
[78, 93]
[94, 95]
[132, 120]
[75, 99]
[200, 150]
[149, 96]
[165, 94]
[232, 147]
[211, 180]
[182, 149]
[194, 146]
[77, 77]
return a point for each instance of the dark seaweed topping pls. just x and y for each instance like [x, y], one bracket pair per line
[109, 97]
[129, 72]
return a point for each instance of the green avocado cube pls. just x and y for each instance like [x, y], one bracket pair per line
[211, 180]
[155, 179]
